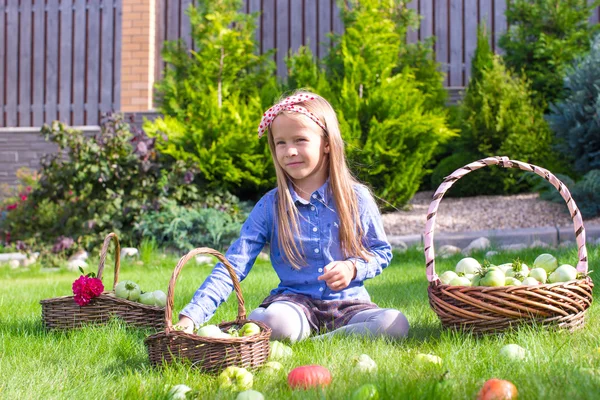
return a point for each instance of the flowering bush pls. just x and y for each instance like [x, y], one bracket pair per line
[86, 287]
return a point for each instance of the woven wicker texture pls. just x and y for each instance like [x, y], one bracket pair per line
[494, 309]
[63, 313]
[209, 354]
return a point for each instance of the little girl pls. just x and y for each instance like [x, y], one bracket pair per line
[325, 234]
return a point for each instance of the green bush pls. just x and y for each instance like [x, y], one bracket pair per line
[575, 119]
[391, 121]
[184, 228]
[96, 185]
[543, 38]
[213, 98]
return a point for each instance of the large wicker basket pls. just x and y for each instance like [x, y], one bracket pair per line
[493, 309]
[209, 354]
[63, 313]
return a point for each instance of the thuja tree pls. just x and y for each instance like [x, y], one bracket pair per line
[498, 117]
[390, 120]
[212, 99]
[543, 38]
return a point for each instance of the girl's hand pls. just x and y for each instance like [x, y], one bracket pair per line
[185, 324]
[338, 274]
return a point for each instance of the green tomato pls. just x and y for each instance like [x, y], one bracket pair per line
[210, 331]
[367, 391]
[279, 351]
[249, 329]
[546, 261]
[539, 274]
[460, 281]
[564, 273]
[493, 278]
[128, 290]
[178, 392]
[428, 359]
[468, 265]
[529, 281]
[250, 395]
[476, 281]
[447, 277]
[236, 379]
[513, 352]
[511, 281]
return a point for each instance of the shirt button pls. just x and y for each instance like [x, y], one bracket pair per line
[314, 196]
[320, 289]
[312, 208]
[316, 250]
[315, 229]
[320, 269]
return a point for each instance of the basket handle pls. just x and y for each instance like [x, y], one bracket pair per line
[202, 250]
[582, 265]
[103, 254]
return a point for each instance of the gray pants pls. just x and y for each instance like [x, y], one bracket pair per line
[288, 322]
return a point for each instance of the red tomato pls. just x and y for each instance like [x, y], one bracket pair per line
[309, 376]
[497, 389]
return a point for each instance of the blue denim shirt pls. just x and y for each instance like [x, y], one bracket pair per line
[319, 238]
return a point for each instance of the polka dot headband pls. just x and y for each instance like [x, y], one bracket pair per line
[288, 104]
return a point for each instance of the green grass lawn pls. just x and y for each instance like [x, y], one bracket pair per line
[110, 362]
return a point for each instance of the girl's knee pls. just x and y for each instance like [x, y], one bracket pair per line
[284, 322]
[394, 323]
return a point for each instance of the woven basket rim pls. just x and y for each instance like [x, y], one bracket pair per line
[439, 283]
[264, 334]
[104, 296]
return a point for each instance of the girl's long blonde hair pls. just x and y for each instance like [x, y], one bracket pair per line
[341, 185]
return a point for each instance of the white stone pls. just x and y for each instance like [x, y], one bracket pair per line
[490, 254]
[79, 255]
[447, 250]
[263, 256]
[74, 265]
[204, 259]
[477, 244]
[14, 264]
[129, 252]
[539, 243]
[6, 257]
[566, 243]
[514, 246]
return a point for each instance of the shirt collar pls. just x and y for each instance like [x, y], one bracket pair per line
[320, 192]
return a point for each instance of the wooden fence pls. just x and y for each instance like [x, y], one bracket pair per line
[59, 59]
[287, 24]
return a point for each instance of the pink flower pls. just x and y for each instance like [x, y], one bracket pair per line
[11, 206]
[23, 197]
[85, 288]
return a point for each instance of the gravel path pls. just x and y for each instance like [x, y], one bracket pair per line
[480, 213]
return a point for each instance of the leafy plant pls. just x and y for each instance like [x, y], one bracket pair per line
[95, 185]
[184, 228]
[543, 38]
[390, 120]
[212, 99]
[575, 118]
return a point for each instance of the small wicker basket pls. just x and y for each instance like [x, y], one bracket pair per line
[209, 354]
[481, 309]
[63, 313]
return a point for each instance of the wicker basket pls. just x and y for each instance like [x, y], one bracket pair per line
[63, 313]
[207, 353]
[494, 309]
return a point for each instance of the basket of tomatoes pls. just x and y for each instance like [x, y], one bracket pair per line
[212, 348]
[91, 304]
[485, 298]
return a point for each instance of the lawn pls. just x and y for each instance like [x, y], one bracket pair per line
[110, 362]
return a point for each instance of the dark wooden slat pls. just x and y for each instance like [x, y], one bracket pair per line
[2, 58]
[118, 19]
[93, 61]
[310, 25]
[12, 64]
[470, 35]
[186, 27]
[338, 24]
[485, 16]
[79, 61]
[254, 6]
[283, 40]
[426, 29]
[324, 18]
[442, 42]
[172, 20]
[37, 102]
[66, 57]
[296, 39]
[268, 25]
[25, 57]
[107, 58]
[52, 39]
[499, 23]
[412, 36]
[456, 43]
